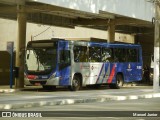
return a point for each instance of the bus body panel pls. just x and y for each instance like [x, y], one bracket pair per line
[92, 73]
[96, 73]
[64, 76]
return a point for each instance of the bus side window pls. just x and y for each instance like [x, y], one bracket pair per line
[65, 59]
[95, 54]
[119, 55]
[80, 54]
[107, 55]
[132, 55]
[137, 53]
[76, 51]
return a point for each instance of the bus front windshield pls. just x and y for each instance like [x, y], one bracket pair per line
[40, 60]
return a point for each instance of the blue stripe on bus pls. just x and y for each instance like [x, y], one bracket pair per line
[106, 69]
[100, 73]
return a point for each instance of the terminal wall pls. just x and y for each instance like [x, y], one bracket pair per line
[4, 68]
[8, 32]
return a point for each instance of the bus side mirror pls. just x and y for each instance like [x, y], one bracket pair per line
[152, 58]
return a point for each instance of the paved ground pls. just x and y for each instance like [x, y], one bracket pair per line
[119, 105]
[37, 97]
[110, 110]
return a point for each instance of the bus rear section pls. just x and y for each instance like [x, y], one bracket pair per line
[104, 63]
[128, 59]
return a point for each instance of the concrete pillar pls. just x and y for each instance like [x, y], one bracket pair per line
[111, 31]
[156, 48]
[20, 47]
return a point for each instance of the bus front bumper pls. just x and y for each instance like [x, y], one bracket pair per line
[53, 81]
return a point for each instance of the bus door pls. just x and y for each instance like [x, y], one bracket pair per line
[64, 67]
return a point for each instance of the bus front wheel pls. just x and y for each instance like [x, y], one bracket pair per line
[76, 84]
[119, 82]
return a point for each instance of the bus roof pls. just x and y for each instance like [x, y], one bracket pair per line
[89, 43]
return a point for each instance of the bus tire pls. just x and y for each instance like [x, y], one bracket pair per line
[76, 84]
[119, 82]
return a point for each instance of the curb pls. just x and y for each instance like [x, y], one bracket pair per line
[77, 101]
[9, 90]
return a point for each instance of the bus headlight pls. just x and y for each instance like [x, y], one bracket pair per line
[32, 77]
[53, 76]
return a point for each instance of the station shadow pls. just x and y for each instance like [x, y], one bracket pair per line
[86, 88]
[59, 88]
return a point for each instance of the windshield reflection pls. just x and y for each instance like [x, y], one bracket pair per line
[40, 60]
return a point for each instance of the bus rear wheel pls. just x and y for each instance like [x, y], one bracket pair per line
[76, 84]
[119, 82]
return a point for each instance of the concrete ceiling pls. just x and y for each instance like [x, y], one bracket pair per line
[54, 15]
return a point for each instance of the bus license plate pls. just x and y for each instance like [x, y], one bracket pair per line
[37, 84]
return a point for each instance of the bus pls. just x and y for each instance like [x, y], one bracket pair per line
[75, 64]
